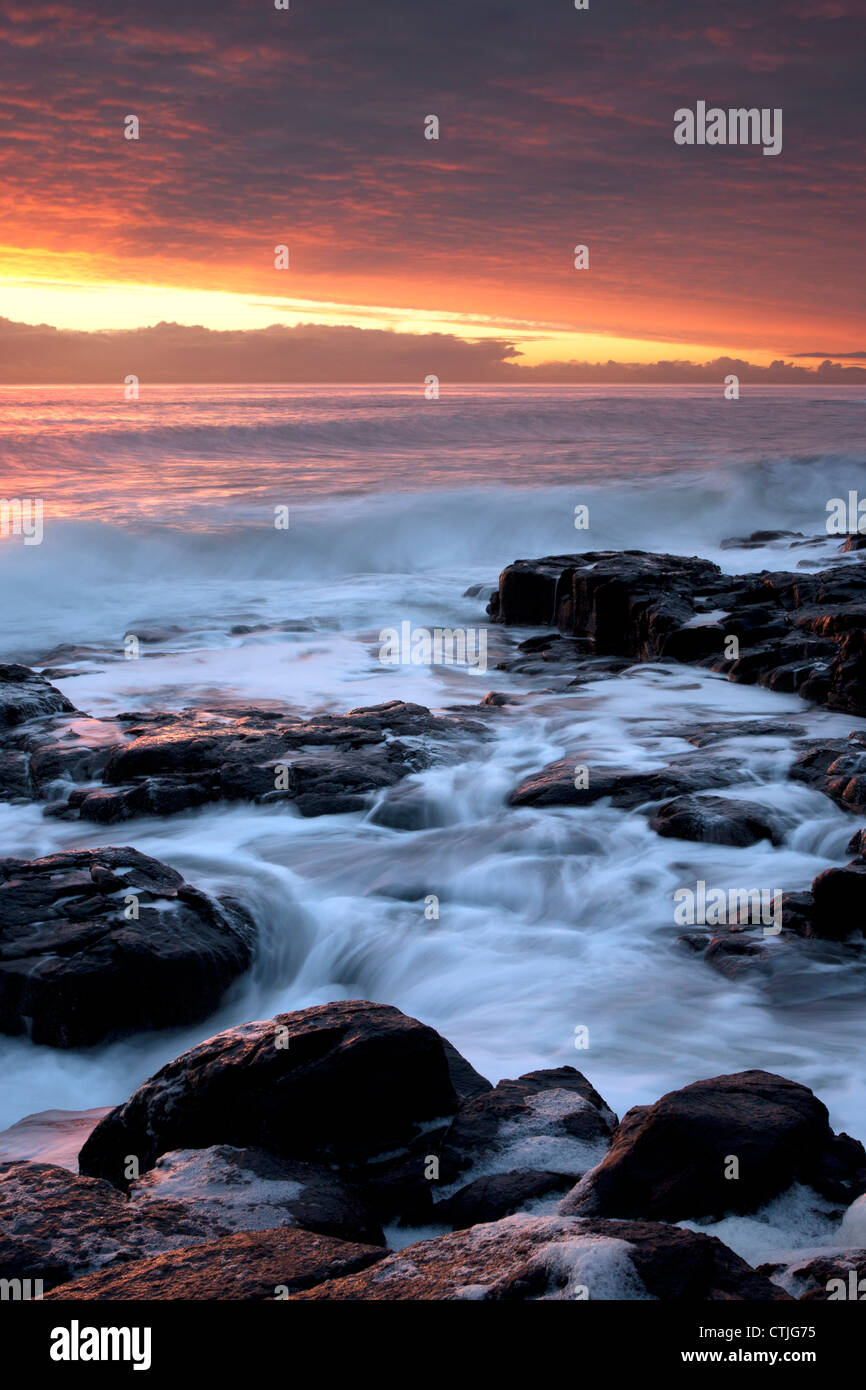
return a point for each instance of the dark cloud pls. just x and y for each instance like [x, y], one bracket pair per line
[171, 352]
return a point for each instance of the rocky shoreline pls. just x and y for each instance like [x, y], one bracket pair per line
[348, 1151]
[267, 1162]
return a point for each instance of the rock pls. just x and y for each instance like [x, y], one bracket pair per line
[25, 695]
[225, 1190]
[839, 901]
[668, 1160]
[56, 1226]
[467, 1082]
[757, 539]
[529, 1258]
[497, 1195]
[549, 1120]
[554, 785]
[338, 1084]
[408, 807]
[161, 764]
[74, 971]
[828, 1278]
[797, 633]
[735, 956]
[251, 1265]
[717, 820]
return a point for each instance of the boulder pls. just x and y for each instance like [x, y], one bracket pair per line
[669, 1161]
[56, 1226]
[554, 785]
[529, 1258]
[339, 1084]
[225, 1190]
[500, 1194]
[75, 970]
[545, 1120]
[252, 1265]
[717, 820]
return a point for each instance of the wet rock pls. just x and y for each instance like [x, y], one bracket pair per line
[161, 764]
[408, 807]
[839, 901]
[735, 955]
[718, 820]
[76, 970]
[25, 695]
[668, 1160]
[499, 1194]
[831, 1278]
[56, 1226]
[227, 1189]
[528, 1258]
[797, 633]
[552, 1120]
[757, 539]
[252, 1265]
[554, 785]
[337, 1084]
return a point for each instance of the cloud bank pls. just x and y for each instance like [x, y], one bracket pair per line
[308, 353]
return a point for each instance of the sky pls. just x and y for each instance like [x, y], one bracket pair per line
[305, 127]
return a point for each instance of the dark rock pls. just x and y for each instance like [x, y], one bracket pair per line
[55, 1226]
[757, 539]
[75, 971]
[160, 764]
[831, 1278]
[668, 1160]
[717, 820]
[227, 1189]
[550, 1119]
[839, 898]
[797, 633]
[251, 1265]
[528, 1258]
[339, 1084]
[497, 1195]
[735, 955]
[409, 807]
[554, 785]
[25, 695]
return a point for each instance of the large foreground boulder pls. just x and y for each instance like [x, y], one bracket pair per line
[728, 1144]
[257, 1265]
[341, 1083]
[96, 944]
[528, 1258]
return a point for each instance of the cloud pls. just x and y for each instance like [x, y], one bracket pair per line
[307, 353]
[305, 126]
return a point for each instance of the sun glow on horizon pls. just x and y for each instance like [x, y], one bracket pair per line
[86, 305]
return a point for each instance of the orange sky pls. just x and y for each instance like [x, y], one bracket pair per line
[306, 127]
